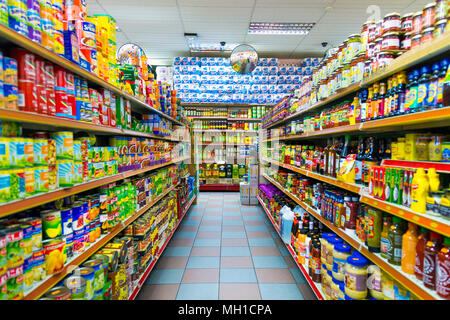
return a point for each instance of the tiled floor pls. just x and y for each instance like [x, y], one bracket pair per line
[225, 251]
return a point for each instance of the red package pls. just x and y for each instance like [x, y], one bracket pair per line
[27, 96]
[26, 64]
[41, 93]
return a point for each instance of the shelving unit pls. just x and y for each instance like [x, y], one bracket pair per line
[410, 282]
[150, 267]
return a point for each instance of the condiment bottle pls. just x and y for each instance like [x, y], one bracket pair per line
[344, 152]
[315, 263]
[422, 88]
[374, 223]
[359, 160]
[395, 242]
[381, 101]
[369, 104]
[443, 271]
[432, 90]
[433, 179]
[409, 244]
[442, 73]
[351, 208]
[400, 94]
[432, 248]
[384, 241]
[419, 191]
[374, 102]
[411, 92]
[363, 105]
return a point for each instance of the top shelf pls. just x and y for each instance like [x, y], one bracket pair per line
[230, 105]
[413, 57]
[13, 37]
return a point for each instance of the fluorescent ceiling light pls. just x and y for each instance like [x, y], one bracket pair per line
[282, 28]
[211, 46]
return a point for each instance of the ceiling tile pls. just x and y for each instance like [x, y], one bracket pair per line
[217, 3]
[215, 14]
[293, 14]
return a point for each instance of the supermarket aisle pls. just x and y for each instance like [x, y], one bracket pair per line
[225, 251]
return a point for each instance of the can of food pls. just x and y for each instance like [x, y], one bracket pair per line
[27, 96]
[64, 145]
[14, 283]
[3, 287]
[51, 152]
[68, 247]
[87, 274]
[5, 186]
[59, 293]
[105, 259]
[94, 209]
[120, 248]
[51, 224]
[18, 16]
[11, 96]
[77, 217]
[41, 179]
[113, 258]
[67, 221]
[41, 94]
[54, 255]
[78, 172]
[36, 237]
[14, 246]
[28, 273]
[3, 254]
[77, 156]
[86, 235]
[39, 265]
[53, 182]
[78, 241]
[27, 230]
[4, 153]
[99, 279]
[92, 232]
[40, 151]
[65, 172]
[10, 71]
[77, 287]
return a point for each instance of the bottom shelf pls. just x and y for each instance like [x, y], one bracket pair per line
[316, 287]
[149, 269]
[219, 187]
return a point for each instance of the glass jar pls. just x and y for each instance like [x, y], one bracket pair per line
[417, 23]
[407, 22]
[346, 75]
[392, 22]
[328, 282]
[377, 48]
[340, 55]
[353, 70]
[359, 72]
[340, 254]
[335, 289]
[374, 284]
[441, 9]
[406, 41]
[379, 29]
[428, 15]
[427, 35]
[439, 27]
[367, 67]
[331, 242]
[356, 270]
[333, 80]
[365, 35]
[322, 89]
[391, 41]
[339, 79]
[353, 47]
[372, 29]
[344, 53]
[416, 41]
[370, 49]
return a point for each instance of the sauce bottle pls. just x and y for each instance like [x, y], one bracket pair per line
[381, 101]
[344, 151]
[432, 249]
[433, 179]
[432, 92]
[419, 191]
[384, 241]
[422, 239]
[400, 94]
[395, 242]
[359, 160]
[370, 159]
[388, 98]
[369, 104]
[411, 92]
[422, 88]
[409, 244]
[442, 73]
[315, 262]
[374, 102]
[374, 226]
[443, 271]
[363, 105]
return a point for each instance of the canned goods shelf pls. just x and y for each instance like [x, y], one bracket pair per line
[316, 287]
[50, 122]
[12, 36]
[161, 250]
[39, 199]
[51, 281]
[408, 281]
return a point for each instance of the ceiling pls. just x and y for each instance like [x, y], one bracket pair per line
[158, 26]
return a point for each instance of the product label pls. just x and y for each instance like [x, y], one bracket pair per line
[432, 94]
[338, 265]
[429, 267]
[421, 95]
[355, 281]
[443, 278]
[384, 245]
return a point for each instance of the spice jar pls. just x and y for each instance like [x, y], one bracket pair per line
[428, 15]
[416, 41]
[391, 41]
[407, 22]
[417, 23]
[340, 254]
[406, 41]
[427, 35]
[392, 22]
[439, 27]
[356, 277]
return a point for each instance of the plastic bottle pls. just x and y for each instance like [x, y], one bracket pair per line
[442, 73]
[411, 92]
[419, 191]
[363, 105]
[432, 249]
[443, 271]
[422, 88]
[395, 242]
[381, 100]
[422, 239]
[359, 160]
[433, 179]
[373, 229]
[400, 94]
[432, 90]
[409, 243]
[384, 241]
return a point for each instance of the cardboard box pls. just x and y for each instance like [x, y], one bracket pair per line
[253, 175]
[253, 195]
[245, 193]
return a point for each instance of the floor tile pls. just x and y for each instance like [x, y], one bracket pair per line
[211, 217]
[187, 228]
[306, 291]
[234, 242]
[198, 291]
[230, 206]
[284, 251]
[185, 235]
[297, 274]
[192, 218]
[234, 234]
[274, 275]
[165, 276]
[234, 218]
[290, 262]
[166, 262]
[233, 223]
[203, 263]
[233, 228]
[235, 252]
[200, 276]
[213, 213]
[280, 291]
[249, 208]
[239, 291]
[253, 218]
[261, 242]
[210, 228]
[257, 228]
[177, 251]
[208, 235]
[258, 234]
[234, 275]
[191, 222]
[250, 214]
[265, 251]
[205, 251]
[274, 234]
[211, 223]
[158, 292]
[181, 242]
[279, 242]
[228, 212]
[236, 262]
[206, 242]
[254, 223]
[269, 262]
